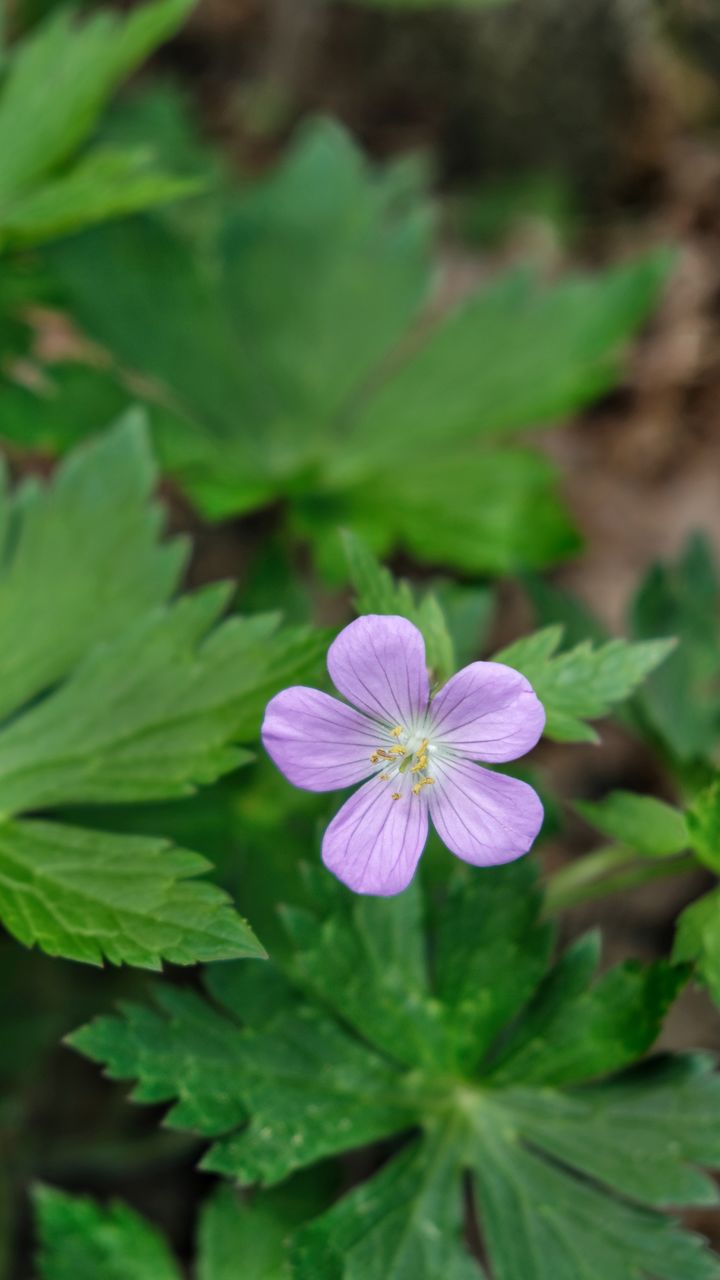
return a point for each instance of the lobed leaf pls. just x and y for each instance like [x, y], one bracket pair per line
[350, 396]
[531, 1087]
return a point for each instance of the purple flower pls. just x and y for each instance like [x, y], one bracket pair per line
[416, 753]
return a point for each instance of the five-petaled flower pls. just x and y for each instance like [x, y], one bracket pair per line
[416, 752]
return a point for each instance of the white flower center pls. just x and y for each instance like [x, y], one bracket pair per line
[409, 755]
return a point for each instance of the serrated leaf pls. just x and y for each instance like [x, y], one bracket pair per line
[91, 897]
[75, 68]
[583, 683]
[378, 592]
[647, 825]
[81, 1240]
[86, 554]
[307, 367]
[571, 1147]
[126, 698]
[226, 1073]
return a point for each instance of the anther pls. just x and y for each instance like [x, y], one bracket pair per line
[396, 795]
[424, 782]
[398, 731]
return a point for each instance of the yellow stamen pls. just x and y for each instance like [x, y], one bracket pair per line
[384, 777]
[398, 731]
[420, 764]
[396, 751]
[424, 782]
[396, 795]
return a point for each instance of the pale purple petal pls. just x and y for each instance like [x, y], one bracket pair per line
[374, 843]
[378, 664]
[318, 742]
[485, 818]
[488, 712]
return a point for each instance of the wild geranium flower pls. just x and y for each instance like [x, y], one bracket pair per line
[417, 753]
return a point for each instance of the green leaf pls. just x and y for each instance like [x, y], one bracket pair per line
[483, 510]
[582, 683]
[527, 1083]
[76, 68]
[703, 822]
[649, 826]
[682, 699]
[84, 553]
[90, 896]
[104, 184]
[224, 1073]
[79, 1240]
[82, 1240]
[406, 1222]
[378, 592]
[515, 355]
[129, 697]
[291, 336]
[697, 940]
[233, 1234]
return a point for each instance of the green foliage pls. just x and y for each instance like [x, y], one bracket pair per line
[80, 1240]
[585, 682]
[378, 592]
[529, 1084]
[703, 821]
[57, 82]
[646, 825]
[698, 930]
[128, 697]
[682, 699]
[294, 355]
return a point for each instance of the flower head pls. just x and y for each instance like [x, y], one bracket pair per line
[414, 754]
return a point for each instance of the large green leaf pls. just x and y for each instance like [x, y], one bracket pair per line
[113, 693]
[300, 356]
[532, 1086]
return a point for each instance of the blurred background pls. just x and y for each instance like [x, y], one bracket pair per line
[386, 161]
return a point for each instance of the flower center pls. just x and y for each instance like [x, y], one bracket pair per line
[409, 755]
